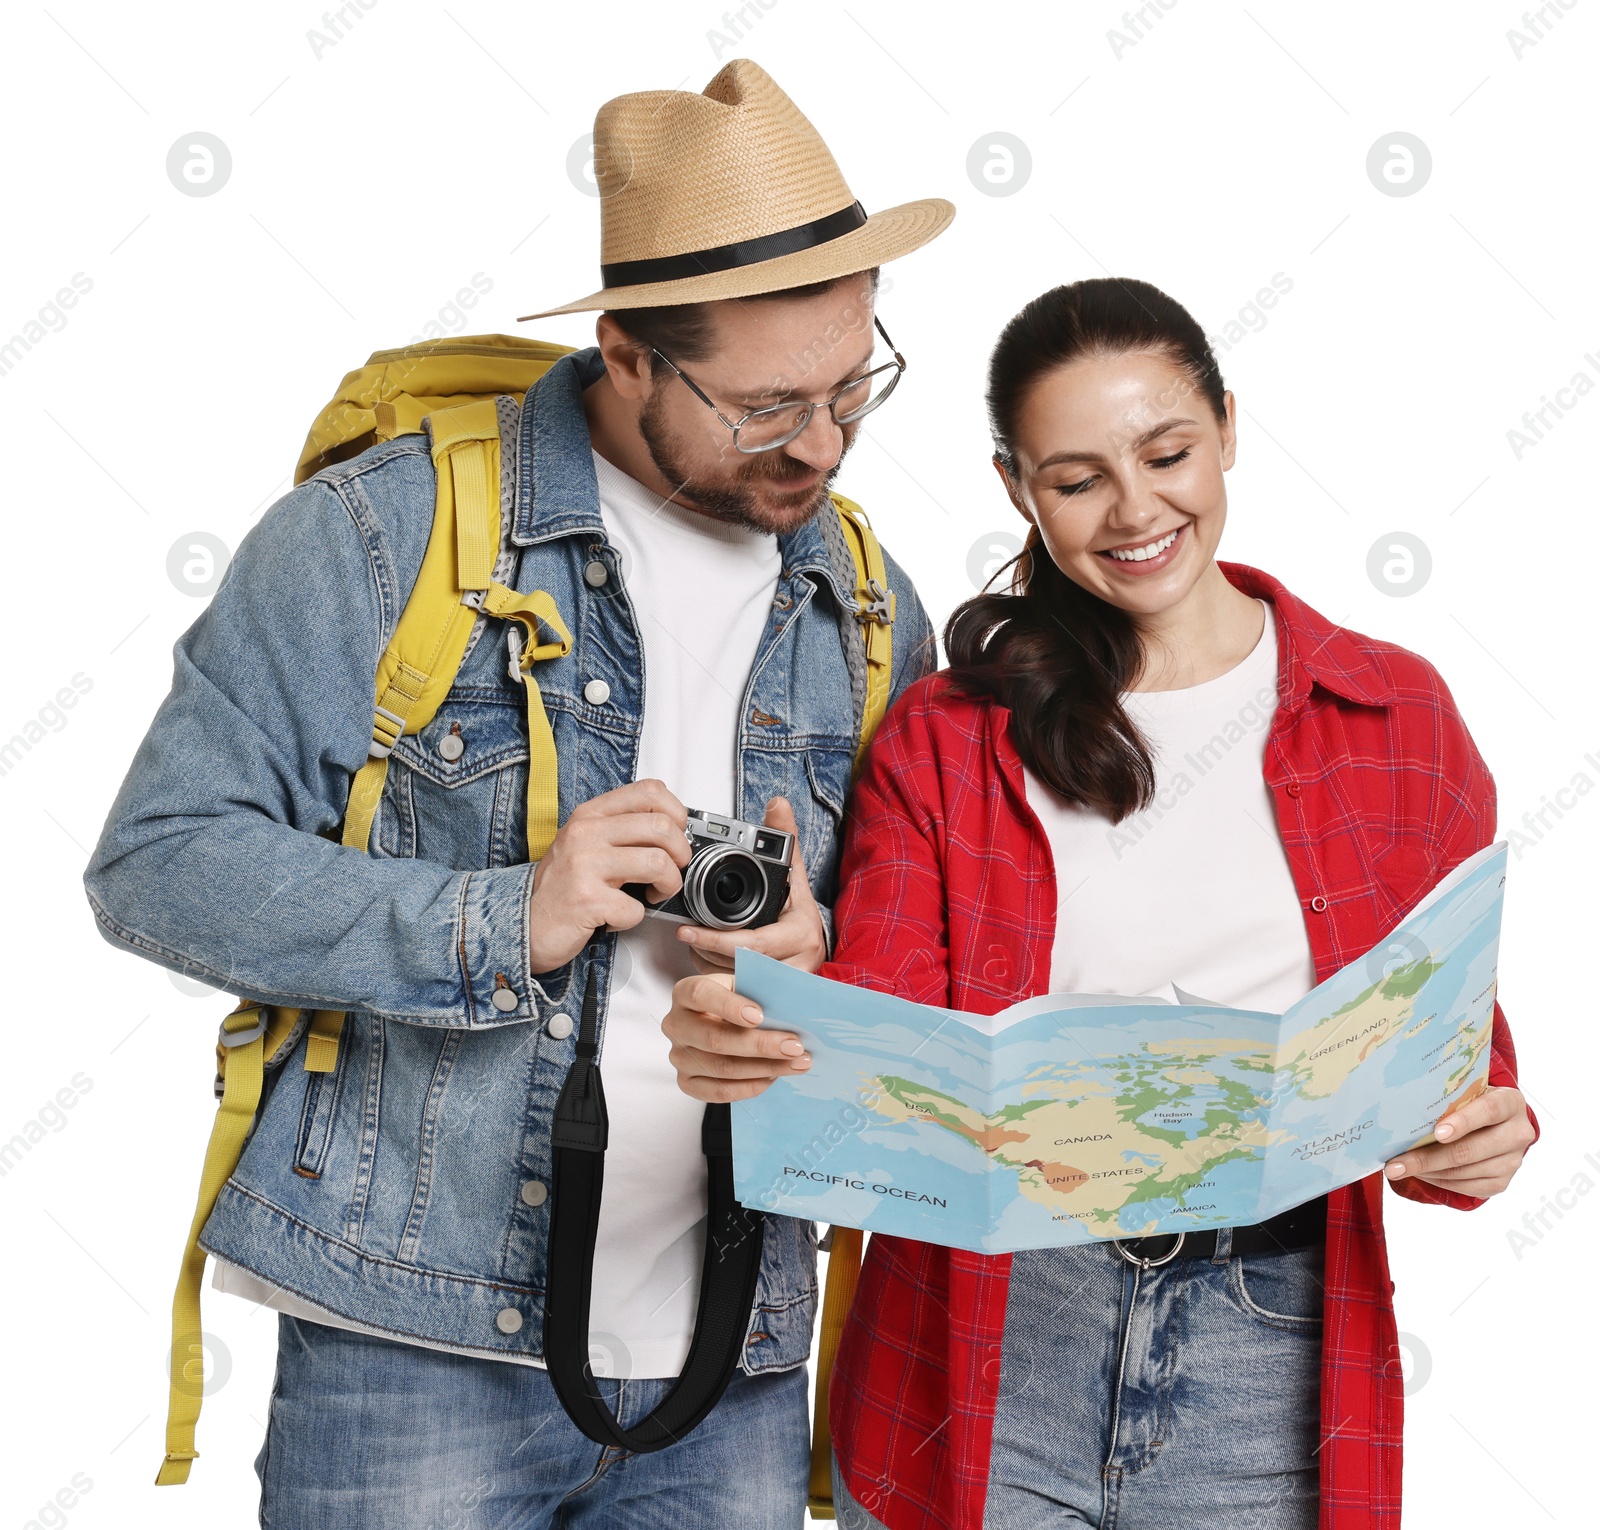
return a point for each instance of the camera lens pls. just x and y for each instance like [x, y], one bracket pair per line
[725, 888]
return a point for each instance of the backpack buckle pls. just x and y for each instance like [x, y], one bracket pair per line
[230, 1039]
[879, 608]
[381, 748]
[227, 1038]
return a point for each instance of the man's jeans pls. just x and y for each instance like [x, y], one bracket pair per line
[367, 1434]
[1183, 1395]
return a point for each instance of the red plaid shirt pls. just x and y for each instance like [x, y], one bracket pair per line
[949, 898]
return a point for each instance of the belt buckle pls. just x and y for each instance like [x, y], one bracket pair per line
[1146, 1265]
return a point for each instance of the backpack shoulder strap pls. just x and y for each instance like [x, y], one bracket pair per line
[419, 666]
[875, 611]
[843, 1248]
[875, 608]
[247, 1038]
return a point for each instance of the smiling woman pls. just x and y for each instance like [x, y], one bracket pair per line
[1146, 768]
[1118, 469]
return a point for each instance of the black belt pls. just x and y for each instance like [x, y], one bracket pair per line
[1298, 1228]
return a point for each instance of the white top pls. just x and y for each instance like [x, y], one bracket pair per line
[1195, 890]
[702, 592]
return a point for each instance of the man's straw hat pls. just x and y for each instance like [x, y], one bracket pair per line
[728, 194]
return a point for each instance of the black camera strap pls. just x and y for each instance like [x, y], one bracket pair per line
[727, 1277]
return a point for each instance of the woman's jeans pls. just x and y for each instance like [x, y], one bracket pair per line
[368, 1434]
[1141, 1400]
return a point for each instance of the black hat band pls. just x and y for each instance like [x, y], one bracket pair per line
[729, 257]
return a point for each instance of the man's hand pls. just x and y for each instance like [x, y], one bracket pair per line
[716, 1048]
[1480, 1146]
[632, 834]
[796, 936]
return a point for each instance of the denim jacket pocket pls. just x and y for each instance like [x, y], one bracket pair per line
[828, 775]
[786, 1297]
[457, 791]
[318, 1111]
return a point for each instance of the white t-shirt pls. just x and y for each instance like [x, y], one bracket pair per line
[1195, 890]
[702, 592]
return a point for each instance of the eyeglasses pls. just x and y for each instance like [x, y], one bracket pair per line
[762, 430]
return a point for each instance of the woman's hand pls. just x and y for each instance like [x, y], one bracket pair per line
[1480, 1146]
[796, 936]
[716, 1048]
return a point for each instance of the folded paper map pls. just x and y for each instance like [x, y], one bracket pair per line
[1071, 1117]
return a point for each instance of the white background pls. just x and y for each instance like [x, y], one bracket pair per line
[374, 177]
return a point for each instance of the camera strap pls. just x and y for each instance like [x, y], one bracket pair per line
[727, 1277]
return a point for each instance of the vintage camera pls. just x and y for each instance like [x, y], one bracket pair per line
[737, 877]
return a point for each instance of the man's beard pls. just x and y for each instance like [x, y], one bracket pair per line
[737, 501]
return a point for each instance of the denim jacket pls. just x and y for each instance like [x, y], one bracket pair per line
[403, 1189]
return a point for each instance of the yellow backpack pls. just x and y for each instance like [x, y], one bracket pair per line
[453, 385]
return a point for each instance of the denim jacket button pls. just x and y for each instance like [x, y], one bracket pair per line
[508, 1320]
[504, 999]
[597, 693]
[559, 1026]
[596, 573]
[451, 747]
[534, 1192]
